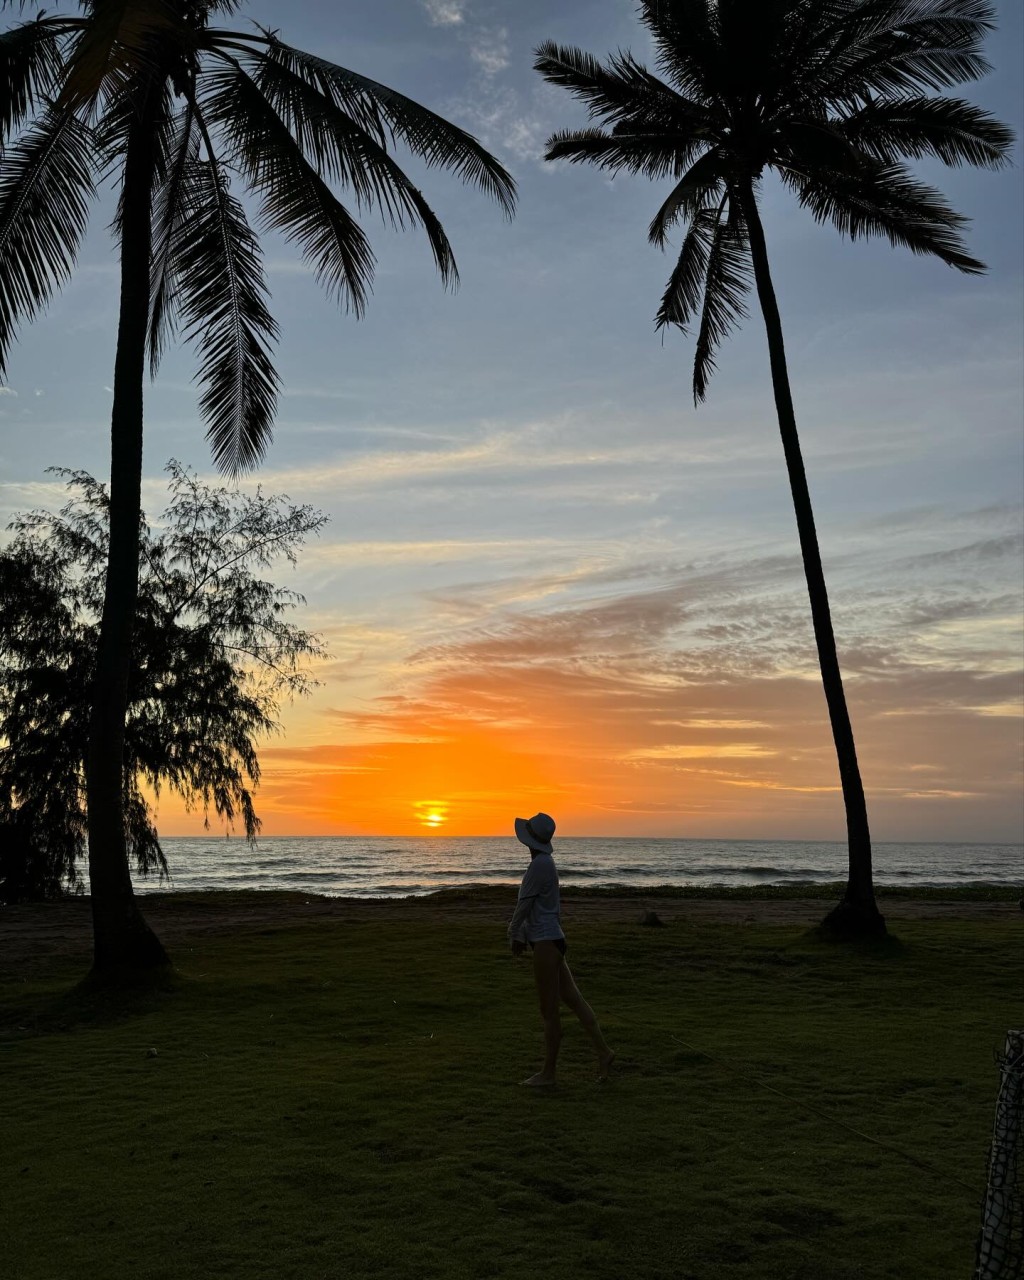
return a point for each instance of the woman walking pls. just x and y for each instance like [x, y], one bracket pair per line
[537, 922]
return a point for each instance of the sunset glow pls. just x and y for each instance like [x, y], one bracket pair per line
[609, 764]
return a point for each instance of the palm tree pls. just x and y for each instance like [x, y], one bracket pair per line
[149, 93]
[832, 96]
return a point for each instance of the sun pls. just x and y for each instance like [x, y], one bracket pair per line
[432, 814]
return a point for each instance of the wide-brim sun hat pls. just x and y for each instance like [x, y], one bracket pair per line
[536, 832]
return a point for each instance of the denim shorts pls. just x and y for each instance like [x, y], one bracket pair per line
[560, 943]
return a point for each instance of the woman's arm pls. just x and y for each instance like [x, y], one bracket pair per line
[529, 891]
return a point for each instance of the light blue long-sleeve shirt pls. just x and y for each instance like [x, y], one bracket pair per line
[538, 911]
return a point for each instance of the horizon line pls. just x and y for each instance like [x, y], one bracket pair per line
[229, 835]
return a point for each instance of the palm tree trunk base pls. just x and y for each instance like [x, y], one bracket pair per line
[855, 919]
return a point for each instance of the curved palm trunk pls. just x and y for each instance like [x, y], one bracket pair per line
[857, 912]
[122, 940]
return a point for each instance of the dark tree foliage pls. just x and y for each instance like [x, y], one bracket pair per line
[213, 654]
[832, 96]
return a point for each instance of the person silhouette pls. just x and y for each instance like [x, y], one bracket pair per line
[536, 923]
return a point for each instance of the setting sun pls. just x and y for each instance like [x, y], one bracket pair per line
[431, 813]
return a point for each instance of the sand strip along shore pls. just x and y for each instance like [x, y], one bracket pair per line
[33, 934]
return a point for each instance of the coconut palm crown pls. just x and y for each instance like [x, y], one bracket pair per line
[827, 94]
[211, 104]
[832, 96]
[150, 95]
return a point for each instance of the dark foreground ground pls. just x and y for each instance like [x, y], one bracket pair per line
[330, 1088]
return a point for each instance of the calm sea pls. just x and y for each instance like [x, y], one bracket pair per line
[382, 867]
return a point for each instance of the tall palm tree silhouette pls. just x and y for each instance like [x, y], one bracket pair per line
[150, 94]
[830, 95]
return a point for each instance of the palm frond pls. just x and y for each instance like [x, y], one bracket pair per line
[294, 199]
[681, 300]
[30, 69]
[728, 281]
[218, 272]
[895, 47]
[168, 212]
[691, 193]
[954, 131]
[652, 154]
[119, 36]
[340, 148]
[901, 65]
[131, 96]
[429, 136]
[813, 147]
[46, 182]
[688, 49]
[801, 50]
[949, 20]
[885, 200]
[622, 92]
[712, 278]
[655, 155]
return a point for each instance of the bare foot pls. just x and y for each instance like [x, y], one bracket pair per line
[604, 1064]
[540, 1081]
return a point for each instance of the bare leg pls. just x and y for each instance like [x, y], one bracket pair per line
[570, 994]
[547, 965]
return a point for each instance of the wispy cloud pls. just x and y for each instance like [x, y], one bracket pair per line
[489, 49]
[445, 13]
[417, 552]
[704, 751]
[616, 459]
[289, 267]
[704, 723]
[536, 454]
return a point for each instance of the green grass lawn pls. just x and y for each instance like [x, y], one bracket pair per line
[342, 1100]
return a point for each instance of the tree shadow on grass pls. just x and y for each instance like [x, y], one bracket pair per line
[89, 1003]
[884, 947]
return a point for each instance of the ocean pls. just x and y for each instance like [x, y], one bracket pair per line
[372, 867]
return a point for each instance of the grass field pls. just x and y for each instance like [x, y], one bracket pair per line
[341, 1100]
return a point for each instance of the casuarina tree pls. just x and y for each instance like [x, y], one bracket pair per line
[832, 97]
[213, 654]
[155, 96]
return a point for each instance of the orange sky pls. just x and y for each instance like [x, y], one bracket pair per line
[609, 756]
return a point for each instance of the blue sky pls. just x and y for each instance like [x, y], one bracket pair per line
[523, 497]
